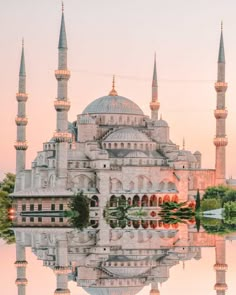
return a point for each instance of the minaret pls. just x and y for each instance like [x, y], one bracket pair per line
[220, 141]
[154, 104]
[220, 266]
[20, 264]
[21, 120]
[62, 106]
[62, 269]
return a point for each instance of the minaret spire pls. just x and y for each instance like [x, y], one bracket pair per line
[113, 91]
[21, 120]
[154, 104]
[62, 106]
[220, 265]
[220, 141]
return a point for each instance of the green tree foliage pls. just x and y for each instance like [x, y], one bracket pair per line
[230, 209]
[215, 192]
[79, 215]
[6, 187]
[198, 201]
[230, 196]
[210, 204]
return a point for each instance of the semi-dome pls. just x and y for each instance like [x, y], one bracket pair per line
[161, 123]
[127, 134]
[113, 104]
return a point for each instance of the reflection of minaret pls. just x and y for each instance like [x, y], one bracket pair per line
[154, 289]
[62, 105]
[62, 269]
[20, 264]
[220, 141]
[21, 121]
[220, 266]
[154, 104]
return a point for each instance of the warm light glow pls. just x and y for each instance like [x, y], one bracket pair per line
[220, 141]
[21, 145]
[21, 121]
[221, 114]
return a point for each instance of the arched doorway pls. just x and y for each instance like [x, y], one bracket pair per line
[122, 201]
[160, 202]
[144, 224]
[166, 198]
[136, 201]
[153, 223]
[175, 199]
[94, 202]
[153, 201]
[136, 224]
[144, 201]
[113, 201]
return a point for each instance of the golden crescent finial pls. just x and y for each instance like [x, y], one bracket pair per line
[113, 91]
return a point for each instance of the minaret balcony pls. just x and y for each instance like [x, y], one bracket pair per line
[21, 263]
[21, 97]
[221, 114]
[221, 266]
[62, 136]
[221, 86]
[62, 270]
[62, 74]
[21, 121]
[21, 281]
[220, 141]
[62, 292]
[154, 105]
[21, 145]
[62, 105]
[220, 287]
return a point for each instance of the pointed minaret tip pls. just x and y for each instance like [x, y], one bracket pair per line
[113, 91]
[62, 38]
[22, 61]
[154, 78]
[183, 143]
[221, 57]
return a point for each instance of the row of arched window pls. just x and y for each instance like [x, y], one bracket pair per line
[142, 201]
[130, 145]
[145, 224]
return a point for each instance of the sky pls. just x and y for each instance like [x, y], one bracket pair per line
[109, 37]
[194, 277]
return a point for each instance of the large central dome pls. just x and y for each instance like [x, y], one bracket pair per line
[113, 104]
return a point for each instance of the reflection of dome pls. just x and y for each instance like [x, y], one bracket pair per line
[114, 291]
[127, 272]
[127, 134]
[113, 105]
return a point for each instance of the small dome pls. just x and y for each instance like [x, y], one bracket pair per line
[86, 119]
[161, 123]
[197, 153]
[113, 104]
[187, 156]
[127, 134]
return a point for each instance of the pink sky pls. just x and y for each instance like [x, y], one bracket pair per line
[109, 37]
[197, 277]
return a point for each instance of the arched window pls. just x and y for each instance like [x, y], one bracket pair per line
[136, 224]
[122, 145]
[115, 145]
[175, 199]
[144, 224]
[160, 202]
[109, 145]
[129, 145]
[105, 146]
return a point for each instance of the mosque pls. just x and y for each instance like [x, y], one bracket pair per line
[112, 149]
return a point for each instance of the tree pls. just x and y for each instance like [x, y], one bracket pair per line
[79, 214]
[215, 192]
[198, 201]
[6, 187]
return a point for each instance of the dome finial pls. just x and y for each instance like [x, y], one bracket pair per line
[183, 143]
[221, 25]
[62, 6]
[113, 91]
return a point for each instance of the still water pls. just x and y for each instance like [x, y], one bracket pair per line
[118, 261]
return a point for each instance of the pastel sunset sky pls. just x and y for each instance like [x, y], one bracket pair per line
[109, 37]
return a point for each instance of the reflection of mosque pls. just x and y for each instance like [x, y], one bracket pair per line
[114, 261]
